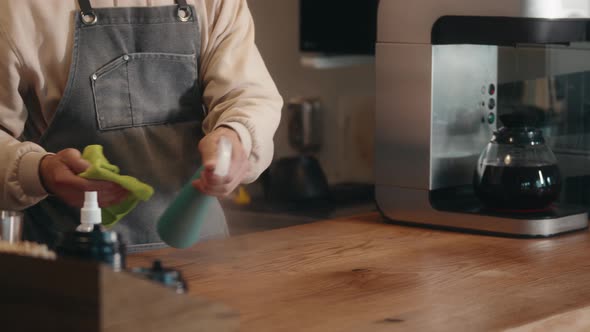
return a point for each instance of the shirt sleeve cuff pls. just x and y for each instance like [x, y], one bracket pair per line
[243, 134]
[28, 174]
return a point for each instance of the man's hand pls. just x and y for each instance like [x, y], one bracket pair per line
[212, 184]
[59, 176]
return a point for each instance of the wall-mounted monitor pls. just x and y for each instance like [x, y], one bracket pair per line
[338, 27]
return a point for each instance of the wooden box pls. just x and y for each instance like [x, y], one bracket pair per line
[71, 295]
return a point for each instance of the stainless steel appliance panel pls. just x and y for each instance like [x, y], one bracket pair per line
[402, 141]
[413, 206]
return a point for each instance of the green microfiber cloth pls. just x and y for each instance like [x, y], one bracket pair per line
[101, 169]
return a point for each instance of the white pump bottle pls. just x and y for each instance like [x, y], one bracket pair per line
[90, 214]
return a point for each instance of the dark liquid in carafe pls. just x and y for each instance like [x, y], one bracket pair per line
[518, 188]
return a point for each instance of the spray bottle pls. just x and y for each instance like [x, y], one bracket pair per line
[90, 214]
[180, 224]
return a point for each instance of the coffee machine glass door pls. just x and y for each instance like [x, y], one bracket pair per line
[464, 79]
[475, 85]
[552, 83]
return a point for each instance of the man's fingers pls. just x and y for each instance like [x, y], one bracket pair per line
[198, 184]
[215, 185]
[237, 170]
[73, 159]
[208, 153]
[59, 175]
[69, 153]
[67, 178]
[109, 198]
[99, 185]
[212, 179]
[220, 189]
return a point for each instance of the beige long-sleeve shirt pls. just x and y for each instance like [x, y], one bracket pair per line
[36, 39]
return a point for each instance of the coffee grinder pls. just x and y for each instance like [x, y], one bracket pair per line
[300, 177]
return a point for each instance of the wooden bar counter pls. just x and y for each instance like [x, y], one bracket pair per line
[361, 274]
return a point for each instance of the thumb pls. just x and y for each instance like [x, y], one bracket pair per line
[208, 154]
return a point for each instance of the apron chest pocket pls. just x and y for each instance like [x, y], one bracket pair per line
[140, 89]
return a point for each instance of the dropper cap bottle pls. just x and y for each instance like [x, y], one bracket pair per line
[180, 224]
[90, 214]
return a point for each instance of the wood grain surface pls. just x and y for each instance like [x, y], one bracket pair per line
[361, 274]
[132, 304]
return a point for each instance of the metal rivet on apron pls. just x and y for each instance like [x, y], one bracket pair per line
[94, 77]
[184, 13]
[89, 18]
[126, 57]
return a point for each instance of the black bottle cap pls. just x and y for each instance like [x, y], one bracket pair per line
[96, 245]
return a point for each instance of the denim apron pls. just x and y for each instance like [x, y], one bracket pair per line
[133, 88]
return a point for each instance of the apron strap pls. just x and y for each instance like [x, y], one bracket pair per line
[89, 16]
[85, 6]
[87, 13]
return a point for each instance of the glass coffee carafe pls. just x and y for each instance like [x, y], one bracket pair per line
[517, 171]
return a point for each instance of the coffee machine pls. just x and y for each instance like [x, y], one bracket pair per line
[446, 72]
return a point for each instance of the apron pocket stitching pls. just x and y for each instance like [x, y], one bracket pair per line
[147, 101]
